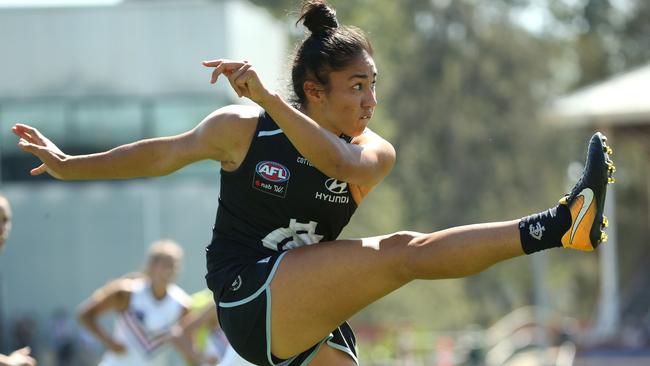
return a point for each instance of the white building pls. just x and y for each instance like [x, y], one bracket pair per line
[92, 77]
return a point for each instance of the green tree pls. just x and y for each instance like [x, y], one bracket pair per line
[635, 40]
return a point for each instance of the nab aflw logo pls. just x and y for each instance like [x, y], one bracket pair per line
[272, 178]
[272, 171]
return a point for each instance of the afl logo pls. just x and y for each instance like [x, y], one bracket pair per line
[272, 171]
[335, 186]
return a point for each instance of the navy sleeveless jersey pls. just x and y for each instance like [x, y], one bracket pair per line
[275, 201]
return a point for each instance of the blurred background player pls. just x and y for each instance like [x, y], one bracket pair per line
[148, 306]
[20, 357]
[200, 334]
[5, 221]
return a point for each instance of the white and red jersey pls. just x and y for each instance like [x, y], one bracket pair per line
[144, 328]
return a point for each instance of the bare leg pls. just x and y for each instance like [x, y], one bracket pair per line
[318, 287]
[328, 356]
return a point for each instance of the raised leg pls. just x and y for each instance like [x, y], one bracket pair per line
[318, 287]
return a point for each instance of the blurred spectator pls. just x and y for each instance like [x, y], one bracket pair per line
[147, 307]
[23, 332]
[406, 346]
[89, 349]
[63, 335]
[22, 356]
[632, 336]
[5, 221]
[444, 351]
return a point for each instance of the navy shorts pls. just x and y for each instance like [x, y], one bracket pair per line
[244, 311]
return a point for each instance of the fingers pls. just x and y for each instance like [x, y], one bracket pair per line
[22, 356]
[225, 67]
[241, 75]
[35, 150]
[219, 68]
[30, 361]
[27, 146]
[23, 131]
[24, 350]
[28, 133]
[240, 78]
[38, 170]
[212, 63]
[21, 126]
[39, 151]
[215, 74]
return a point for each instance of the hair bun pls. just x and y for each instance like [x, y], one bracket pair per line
[319, 17]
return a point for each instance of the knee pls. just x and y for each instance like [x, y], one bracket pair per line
[403, 246]
[327, 355]
[398, 241]
[403, 238]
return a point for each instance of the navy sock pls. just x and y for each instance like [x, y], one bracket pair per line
[544, 230]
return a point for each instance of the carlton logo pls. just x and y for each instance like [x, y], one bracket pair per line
[272, 171]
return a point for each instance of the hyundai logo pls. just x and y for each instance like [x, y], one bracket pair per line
[335, 186]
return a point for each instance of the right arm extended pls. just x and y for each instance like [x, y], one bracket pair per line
[216, 138]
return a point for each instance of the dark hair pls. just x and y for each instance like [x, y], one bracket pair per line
[329, 47]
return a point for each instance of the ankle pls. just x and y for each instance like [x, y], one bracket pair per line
[544, 230]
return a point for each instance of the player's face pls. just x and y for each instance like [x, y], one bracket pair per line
[350, 100]
[163, 270]
[5, 222]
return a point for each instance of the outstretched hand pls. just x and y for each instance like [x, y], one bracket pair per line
[35, 143]
[242, 77]
[21, 358]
